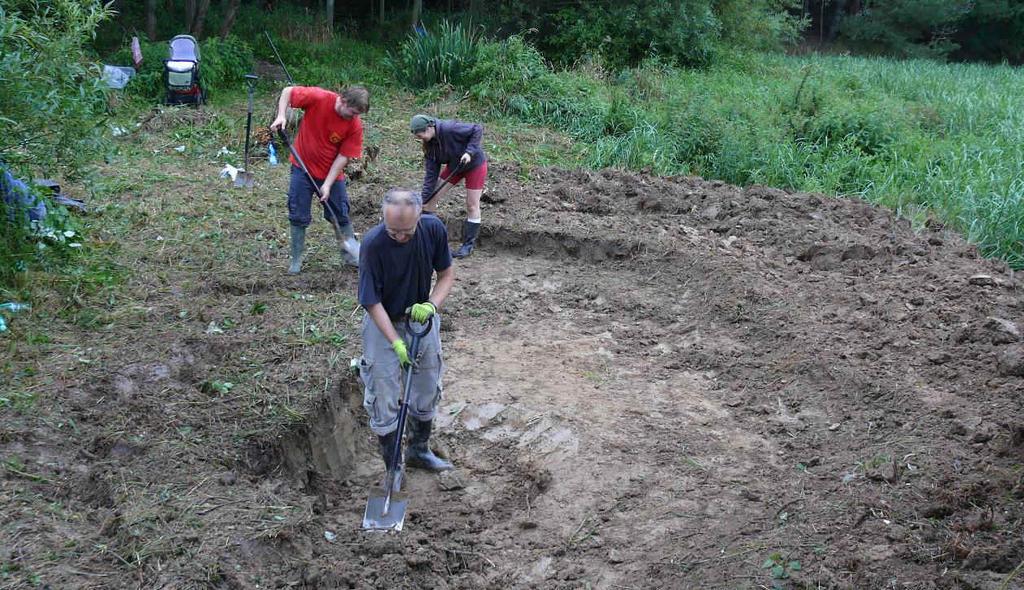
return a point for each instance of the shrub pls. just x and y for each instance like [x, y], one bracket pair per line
[445, 57]
[52, 101]
[759, 24]
[225, 63]
[624, 33]
[511, 77]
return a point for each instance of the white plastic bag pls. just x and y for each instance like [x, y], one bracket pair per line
[117, 77]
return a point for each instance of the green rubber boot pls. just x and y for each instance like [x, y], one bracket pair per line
[349, 244]
[298, 245]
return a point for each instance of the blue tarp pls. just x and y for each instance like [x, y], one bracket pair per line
[20, 199]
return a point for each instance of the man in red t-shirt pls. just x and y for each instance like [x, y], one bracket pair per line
[330, 134]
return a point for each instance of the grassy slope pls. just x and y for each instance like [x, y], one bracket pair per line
[921, 137]
[912, 134]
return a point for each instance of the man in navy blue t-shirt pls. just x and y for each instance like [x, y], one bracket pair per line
[396, 263]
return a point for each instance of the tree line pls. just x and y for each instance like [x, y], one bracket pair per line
[687, 32]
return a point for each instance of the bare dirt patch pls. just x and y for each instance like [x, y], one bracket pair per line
[653, 383]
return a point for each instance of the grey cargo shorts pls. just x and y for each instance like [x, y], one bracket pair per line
[382, 377]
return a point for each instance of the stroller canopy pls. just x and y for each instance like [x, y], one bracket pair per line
[184, 48]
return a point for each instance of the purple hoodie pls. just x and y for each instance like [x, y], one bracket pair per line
[451, 140]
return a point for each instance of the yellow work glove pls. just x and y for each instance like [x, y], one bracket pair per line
[403, 354]
[421, 312]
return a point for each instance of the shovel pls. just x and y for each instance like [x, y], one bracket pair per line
[384, 513]
[245, 178]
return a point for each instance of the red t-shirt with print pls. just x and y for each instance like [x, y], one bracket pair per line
[323, 134]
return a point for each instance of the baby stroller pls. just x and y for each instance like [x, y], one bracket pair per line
[181, 71]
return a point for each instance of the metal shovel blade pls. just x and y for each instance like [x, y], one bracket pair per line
[384, 515]
[244, 179]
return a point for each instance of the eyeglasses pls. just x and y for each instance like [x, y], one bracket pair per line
[395, 234]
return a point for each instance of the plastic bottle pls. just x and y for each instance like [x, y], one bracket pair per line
[14, 306]
[272, 154]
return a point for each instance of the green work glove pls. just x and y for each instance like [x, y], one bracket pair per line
[403, 354]
[421, 312]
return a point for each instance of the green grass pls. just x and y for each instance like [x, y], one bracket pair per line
[921, 137]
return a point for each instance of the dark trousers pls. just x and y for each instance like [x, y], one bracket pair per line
[300, 198]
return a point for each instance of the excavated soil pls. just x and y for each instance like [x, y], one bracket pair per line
[652, 383]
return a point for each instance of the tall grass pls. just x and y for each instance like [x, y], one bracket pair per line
[925, 138]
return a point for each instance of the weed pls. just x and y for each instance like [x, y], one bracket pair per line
[215, 386]
[19, 401]
[780, 567]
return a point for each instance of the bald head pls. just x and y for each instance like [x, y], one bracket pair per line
[401, 211]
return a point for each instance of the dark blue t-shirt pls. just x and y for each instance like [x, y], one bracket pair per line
[398, 275]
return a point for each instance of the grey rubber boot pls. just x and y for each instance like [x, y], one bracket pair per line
[419, 454]
[387, 450]
[470, 232]
[298, 245]
[349, 244]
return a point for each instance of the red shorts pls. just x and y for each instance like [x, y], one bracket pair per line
[474, 178]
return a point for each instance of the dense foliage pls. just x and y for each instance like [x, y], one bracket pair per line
[622, 33]
[53, 107]
[990, 30]
[52, 101]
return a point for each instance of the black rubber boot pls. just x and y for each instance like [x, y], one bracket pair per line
[470, 232]
[387, 451]
[419, 453]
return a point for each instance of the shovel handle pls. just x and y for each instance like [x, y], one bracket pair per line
[427, 325]
[250, 80]
[414, 349]
[403, 403]
[455, 171]
[316, 187]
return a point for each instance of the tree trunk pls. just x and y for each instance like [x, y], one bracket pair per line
[151, 20]
[832, 24]
[190, 15]
[329, 9]
[381, 10]
[200, 20]
[229, 17]
[417, 12]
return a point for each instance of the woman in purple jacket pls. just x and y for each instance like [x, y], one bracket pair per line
[456, 145]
